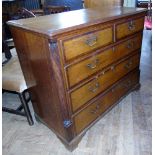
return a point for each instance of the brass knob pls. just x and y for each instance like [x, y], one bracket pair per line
[113, 49]
[112, 90]
[113, 68]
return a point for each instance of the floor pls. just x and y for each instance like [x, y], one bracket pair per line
[125, 130]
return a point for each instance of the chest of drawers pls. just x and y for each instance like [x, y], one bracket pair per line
[79, 64]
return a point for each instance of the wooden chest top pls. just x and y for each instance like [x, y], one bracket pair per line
[52, 25]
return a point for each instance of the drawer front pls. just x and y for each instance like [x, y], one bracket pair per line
[87, 43]
[85, 93]
[86, 68]
[89, 114]
[130, 27]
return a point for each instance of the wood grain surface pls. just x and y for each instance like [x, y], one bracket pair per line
[103, 81]
[86, 43]
[99, 3]
[130, 27]
[86, 68]
[107, 100]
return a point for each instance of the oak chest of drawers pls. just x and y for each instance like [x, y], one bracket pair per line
[79, 64]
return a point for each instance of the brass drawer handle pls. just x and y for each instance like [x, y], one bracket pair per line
[94, 111]
[94, 88]
[131, 25]
[130, 44]
[93, 64]
[128, 65]
[92, 41]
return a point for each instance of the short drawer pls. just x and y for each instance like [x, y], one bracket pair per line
[130, 27]
[83, 44]
[107, 77]
[89, 114]
[86, 68]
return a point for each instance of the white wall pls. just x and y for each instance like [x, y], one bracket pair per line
[130, 3]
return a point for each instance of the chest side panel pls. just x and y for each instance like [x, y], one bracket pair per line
[40, 74]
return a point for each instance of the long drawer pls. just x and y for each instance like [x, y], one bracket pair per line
[89, 114]
[107, 77]
[86, 68]
[86, 43]
[129, 27]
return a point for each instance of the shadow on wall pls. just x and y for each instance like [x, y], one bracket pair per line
[73, 4]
